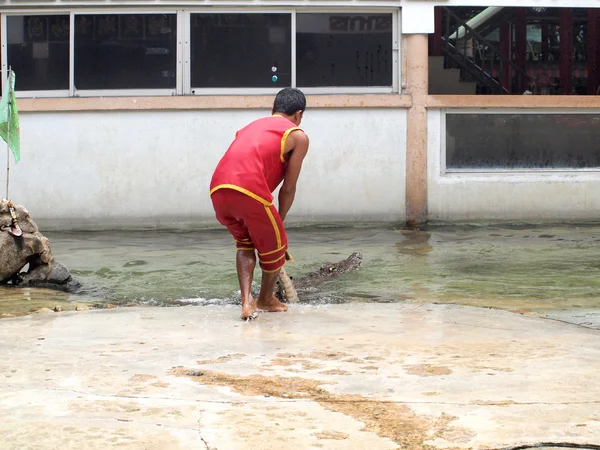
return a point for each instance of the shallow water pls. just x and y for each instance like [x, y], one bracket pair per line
[530, 268]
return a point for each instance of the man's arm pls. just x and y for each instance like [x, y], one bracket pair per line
[298, 141]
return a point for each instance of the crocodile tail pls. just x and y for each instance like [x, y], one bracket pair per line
[289, 291]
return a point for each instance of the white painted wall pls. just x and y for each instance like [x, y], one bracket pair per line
[119, 169]
[503, 196]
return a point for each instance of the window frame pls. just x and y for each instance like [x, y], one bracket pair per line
[4, 50]
[127, 92]
[490, 172]
[396, 50]
[396, 69]
[191, 90]
[183, 85]
[72, 91]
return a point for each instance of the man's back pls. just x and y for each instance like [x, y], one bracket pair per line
[255, 162]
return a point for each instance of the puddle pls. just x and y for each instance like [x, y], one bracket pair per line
[528, 268]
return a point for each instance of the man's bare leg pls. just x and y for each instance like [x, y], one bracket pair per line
[266, 298]
[245, 263]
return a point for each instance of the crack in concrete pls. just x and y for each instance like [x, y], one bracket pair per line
[139, 422]
[113, 395]
[203, 440]
[533, 315]
[133, 421]
[553, 444]
[200, 434]
[500, 403]
[485, 327]
[579, 325]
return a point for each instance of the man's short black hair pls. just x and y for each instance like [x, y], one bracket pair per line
[288, 101]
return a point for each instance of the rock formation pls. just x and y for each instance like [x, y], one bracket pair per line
[22, 244]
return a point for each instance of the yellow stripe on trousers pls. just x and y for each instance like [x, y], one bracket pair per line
[275, 227]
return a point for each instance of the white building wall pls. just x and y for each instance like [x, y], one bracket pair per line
[504, 196]
[143, 168]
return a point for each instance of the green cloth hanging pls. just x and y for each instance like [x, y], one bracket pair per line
[10, 101]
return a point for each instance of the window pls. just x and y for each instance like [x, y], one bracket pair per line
[125, 51]
[344, 50]
[510, 50]
[179, 52]
[38, 51]
[495, 141]
[241, 50]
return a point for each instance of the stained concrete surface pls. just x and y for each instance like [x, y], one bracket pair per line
[353, 376]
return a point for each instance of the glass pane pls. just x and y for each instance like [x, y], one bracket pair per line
[125, 51]
[241, 50]
[344, 50]
[552, 51]
[522, 141]
[38, 51]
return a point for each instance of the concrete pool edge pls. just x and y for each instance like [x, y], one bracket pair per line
[454, 376]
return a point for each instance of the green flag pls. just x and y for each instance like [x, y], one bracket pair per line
[9, 101]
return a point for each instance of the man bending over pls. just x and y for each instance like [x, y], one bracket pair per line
[264, 153]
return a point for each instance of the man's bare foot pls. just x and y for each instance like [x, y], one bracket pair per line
[273, 305]
[249, 309]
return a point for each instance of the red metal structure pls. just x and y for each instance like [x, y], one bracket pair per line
[545, 51]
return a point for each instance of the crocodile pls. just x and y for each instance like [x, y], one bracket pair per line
[291, 290]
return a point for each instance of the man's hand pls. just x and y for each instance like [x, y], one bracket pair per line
[298, 142]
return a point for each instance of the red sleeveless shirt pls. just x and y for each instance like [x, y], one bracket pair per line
[254, 163]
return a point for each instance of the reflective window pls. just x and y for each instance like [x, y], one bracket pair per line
[522, 141]
[241, 50]
[344, 50]
[125, 51]
[38, 51]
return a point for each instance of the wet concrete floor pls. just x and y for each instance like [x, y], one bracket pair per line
[350, 376]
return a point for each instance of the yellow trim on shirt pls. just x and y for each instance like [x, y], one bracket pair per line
[283, 140]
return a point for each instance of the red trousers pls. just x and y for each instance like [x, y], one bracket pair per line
[253, 225]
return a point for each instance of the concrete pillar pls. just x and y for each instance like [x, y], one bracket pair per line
[417, 82]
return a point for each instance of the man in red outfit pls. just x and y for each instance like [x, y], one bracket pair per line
[264, 153]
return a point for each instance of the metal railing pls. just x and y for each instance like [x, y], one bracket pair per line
[485, 63]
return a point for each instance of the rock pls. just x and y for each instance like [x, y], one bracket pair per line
[43, 310]
[82, 308]
[32, 249]
[58, 308]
